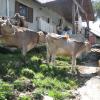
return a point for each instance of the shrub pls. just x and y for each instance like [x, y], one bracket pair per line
[44, 67]
[3, 69]
[10, 76]
[24, 98]
[23, 84]
[37, 94]
[36, 60]
[58, 95]
[27, 73]
[6, 91]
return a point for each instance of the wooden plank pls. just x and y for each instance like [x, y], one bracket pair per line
[82, 10]
[73, 17]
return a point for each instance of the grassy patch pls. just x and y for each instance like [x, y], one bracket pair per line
[50, 80]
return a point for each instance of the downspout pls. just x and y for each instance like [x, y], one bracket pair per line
[7, 8]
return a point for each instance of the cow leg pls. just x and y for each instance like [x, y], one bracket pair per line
[24, 50]
[48, 56]
[53, 57]
[75, 69]
[73, 63]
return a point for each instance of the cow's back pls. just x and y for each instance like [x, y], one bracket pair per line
[61, 45]
[26, 37]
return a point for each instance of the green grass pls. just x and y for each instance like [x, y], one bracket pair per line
[50, 80]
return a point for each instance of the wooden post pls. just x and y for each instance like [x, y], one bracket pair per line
[73, 17]
[74, 2]
[87, 28]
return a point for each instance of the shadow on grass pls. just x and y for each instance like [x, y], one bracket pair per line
[12, 60]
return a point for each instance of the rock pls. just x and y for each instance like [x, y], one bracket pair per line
[88, 71]
[91, 89]
[46, 98]
[22, 94]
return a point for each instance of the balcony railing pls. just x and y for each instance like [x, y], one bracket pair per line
[44, 26]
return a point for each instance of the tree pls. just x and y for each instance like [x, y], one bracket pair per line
[96, 7]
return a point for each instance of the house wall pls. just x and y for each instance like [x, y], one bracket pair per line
[11, 8]
[3, 9]
[38, 12]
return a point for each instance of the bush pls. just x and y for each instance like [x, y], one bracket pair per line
[24, 98]
[37, 94]
[36, 60]
[59, 95]
[23, 84]
[44, 67]
[6, 91]
[27, 73]
[10, 76]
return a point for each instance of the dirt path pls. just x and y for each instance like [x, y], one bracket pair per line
[90, 89]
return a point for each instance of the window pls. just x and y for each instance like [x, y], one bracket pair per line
[24, 10]
[48, 20]
[60, 22]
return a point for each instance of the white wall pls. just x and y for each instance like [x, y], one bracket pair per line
[42, 12]
[3, 9]
[11, 8]
[38, 11]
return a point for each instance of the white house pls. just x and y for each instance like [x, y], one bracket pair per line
[39, 16]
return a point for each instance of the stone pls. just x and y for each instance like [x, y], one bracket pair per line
[47, 98]
[91, 89]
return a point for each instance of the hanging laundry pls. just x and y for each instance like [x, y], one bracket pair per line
[79, 22]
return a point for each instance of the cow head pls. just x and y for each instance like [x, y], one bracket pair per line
[42, 36]
[7, 28]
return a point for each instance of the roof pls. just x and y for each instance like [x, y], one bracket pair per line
[95, 33]
[64, 8]
[45, 1]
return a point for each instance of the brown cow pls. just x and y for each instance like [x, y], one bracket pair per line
[20, 37]
[63, 45]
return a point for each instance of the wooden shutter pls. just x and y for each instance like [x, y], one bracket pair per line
[30, 14]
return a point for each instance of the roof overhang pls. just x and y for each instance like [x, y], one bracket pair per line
[95, 33]
[64, 8]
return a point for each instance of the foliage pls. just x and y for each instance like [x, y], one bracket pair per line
[24, 98]
[44, 67]
[23, 84]
[10, 76]
[55, 81]
[59, 95]
[27, 73]
[96, 6]
[6, 91]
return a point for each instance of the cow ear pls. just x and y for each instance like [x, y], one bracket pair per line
[65, 37]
